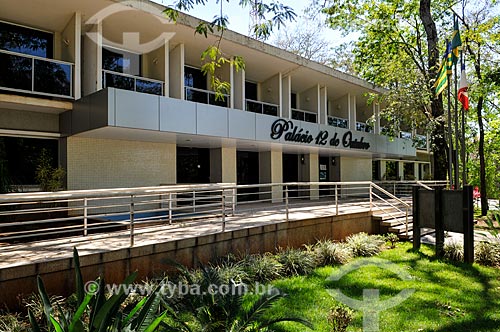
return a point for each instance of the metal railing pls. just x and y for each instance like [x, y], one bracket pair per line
[392, 201]
[338, 122]
[206, 97]
[404, 188]
[303, 115]
[261, 107]
[27, 217]
[35, 75]
[112, 79]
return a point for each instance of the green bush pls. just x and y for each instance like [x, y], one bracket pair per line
[295, 261]
[486, 253]
[328, 252]
[48, 177]
[364, 245]
[13, 323]
[453, 251]
[392, 239]
[263, 268]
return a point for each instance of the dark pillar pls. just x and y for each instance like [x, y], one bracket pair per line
[468, 220]
[416, 219]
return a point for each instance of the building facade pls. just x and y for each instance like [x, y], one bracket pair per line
[115, 93]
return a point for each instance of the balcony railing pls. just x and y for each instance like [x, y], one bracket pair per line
[112, 79]
[304, 115]
[338, 122]
[35, 75]
[361, 126]
[261, 107]
[205, 97]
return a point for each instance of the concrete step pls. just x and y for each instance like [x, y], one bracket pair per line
[423, 232]
[395, 222]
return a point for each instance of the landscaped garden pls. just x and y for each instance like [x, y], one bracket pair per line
[288, 291]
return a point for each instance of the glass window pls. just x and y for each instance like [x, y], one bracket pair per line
[194, 78]
[293, 98]
[19, 39]
[250, 90]
[121, 61]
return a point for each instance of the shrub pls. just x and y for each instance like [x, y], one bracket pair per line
[229, 270]
[453, 251]
[50, 178]
[364, 245]
[339, 318]
[392, 238]
[327, 252]
[486, 253]
[296, 261]
[263, 268]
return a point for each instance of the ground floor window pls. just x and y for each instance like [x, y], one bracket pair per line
[391, 171]
[409, 171]
[247, 169]
[20, 157]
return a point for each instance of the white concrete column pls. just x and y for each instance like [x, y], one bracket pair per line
[72, 50]
[383, 169]
[238, 93]
[286, 100]
[401, 170]
[312, 165]
[376, 113]
[223, 165]
[280, 98]
[271, 171]
[351, 107]
[323, 105]
[176, 72]
[92, 66]
[231, 89]
[166, 61]
[415, 171]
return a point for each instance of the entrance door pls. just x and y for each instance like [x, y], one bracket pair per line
[291, 172]
[193, 165]
[247, 170]
[324, 174]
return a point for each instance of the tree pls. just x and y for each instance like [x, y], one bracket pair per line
[482, 41]
[398, 49]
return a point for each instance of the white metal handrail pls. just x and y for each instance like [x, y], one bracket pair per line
[134, 77]
[208, 94]
[33, 67]
[113, 211]
[385, 192]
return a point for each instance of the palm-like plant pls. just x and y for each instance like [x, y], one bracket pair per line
[231, 311]
[96, 313]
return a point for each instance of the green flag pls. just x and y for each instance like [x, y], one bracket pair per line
[456, 41]
[444, 70]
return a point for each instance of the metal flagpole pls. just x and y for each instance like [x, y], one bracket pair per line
[450, 137]
[464, 161]
[455, 99]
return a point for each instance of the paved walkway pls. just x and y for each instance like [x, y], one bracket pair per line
[252, 216]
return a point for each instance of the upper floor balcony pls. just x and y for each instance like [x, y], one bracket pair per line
[262, 107]
[31, 74]
[206, 97]
[112, 79]
[304, 115]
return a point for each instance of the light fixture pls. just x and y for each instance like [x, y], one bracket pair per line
[308, 99]
[155, 61]
[302, 159]
[333, 161]
[269, 89]
[66, 42]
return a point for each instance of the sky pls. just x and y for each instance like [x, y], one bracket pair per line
[239, 17]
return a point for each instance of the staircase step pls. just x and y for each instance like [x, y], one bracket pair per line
[395, 222]
[401, 228]
[423, 232]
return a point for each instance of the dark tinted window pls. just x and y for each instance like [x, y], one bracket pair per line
[251, 90]
[194, 78]
[27, 41]
[121, 61]
[293, 100]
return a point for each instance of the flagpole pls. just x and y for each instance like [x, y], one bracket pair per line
[457, 171]
[450, 137]
[464, 161]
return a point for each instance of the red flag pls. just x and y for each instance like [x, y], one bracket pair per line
[463, 96]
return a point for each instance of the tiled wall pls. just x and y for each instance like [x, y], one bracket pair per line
[105, 163]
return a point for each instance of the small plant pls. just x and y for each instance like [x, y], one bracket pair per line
[453, 251]
[486, 253]
[330, 253]
[364, 245]
[263, 268]
[493, 218]
[296, 261]
[392, 239]
[234, 271]
[49, 177]
[339, 318]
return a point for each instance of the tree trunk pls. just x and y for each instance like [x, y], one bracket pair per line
[482, 163]
[439, 147]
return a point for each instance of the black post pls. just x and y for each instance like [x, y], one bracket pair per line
[468, 220]
[439, 222]
[416, 219]
[455, 160]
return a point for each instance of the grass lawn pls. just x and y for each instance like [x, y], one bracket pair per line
[448, 297]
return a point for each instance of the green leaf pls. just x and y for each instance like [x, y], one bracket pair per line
[34, 324]
[156, 322]
[47, 307]
[79, 312]
[56, 324]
